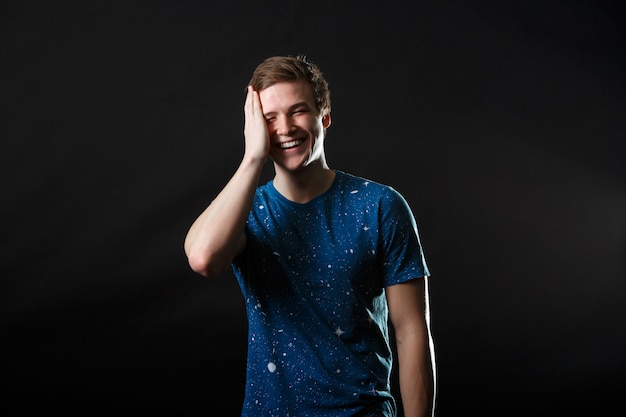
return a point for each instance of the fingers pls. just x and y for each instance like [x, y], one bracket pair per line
[253, 102]
[247, 103]
[255, 128]
[253, 109]
[247, 107]
[250, 105]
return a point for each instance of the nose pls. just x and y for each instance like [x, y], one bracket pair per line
[284, 125]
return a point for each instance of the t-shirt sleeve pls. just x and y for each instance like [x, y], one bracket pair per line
[402, 256]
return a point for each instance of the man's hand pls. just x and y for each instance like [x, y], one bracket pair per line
[255, 128]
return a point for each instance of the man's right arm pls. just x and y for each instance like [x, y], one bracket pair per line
[216, 236]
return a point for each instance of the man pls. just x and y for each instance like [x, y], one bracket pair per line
[323, 259]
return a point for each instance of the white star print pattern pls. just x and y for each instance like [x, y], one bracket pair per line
[339, 332]
[311, 278]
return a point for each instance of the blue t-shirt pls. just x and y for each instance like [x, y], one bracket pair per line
[313, 278]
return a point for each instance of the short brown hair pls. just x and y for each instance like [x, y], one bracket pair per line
[288, 68]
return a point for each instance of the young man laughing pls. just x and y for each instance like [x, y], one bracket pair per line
[324, 260]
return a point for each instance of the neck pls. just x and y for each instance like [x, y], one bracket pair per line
[305, 184]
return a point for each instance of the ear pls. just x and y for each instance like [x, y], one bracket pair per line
[326, 120]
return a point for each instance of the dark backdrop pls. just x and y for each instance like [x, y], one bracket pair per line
[502, 123]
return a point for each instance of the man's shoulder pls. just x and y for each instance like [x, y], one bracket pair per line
[266, 188]
[358, 182]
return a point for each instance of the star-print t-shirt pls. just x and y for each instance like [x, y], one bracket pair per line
[313, 278]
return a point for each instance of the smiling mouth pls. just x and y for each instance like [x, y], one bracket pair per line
[290, 144]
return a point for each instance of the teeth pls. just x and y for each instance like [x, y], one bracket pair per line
[290, 144]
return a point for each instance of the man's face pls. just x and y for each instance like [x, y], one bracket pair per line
[295, 126]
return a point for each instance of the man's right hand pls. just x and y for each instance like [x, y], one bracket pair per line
[255, 128]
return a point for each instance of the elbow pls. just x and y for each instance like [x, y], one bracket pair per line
[205, 265]
[199, 264]
[210, 259]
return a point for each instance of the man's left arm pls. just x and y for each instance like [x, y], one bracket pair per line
[408, 311]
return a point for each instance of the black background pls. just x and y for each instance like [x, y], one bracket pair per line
[502, 123]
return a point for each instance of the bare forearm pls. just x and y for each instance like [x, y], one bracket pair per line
[212, 240]
[416, 373]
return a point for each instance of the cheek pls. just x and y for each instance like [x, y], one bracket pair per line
[315, 126]
[271, 130]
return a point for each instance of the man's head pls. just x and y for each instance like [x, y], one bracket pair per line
[286, 68]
